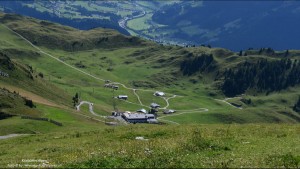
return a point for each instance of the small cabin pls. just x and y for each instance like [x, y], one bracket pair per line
[122, 97]
[158, 93]
[169, 111]
[154, 105]
[115, 87]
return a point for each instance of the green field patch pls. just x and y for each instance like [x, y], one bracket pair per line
[140, 23]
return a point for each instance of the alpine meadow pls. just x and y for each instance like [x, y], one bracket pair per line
[119, 84]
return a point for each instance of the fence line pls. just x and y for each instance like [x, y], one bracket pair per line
[42, 119]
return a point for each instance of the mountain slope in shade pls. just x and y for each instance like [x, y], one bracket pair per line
[235, 24]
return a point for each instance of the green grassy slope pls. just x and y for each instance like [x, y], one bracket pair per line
[24, 78]
[153, 67]
[13, 104]
[201, 140]
[49, 101]
[208, 146]
[53, 35]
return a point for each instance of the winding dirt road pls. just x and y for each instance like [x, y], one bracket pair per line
[91, 109]
[184, 112]
[225, 101]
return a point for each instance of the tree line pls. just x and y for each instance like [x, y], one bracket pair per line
[262, 76]
[196, 64]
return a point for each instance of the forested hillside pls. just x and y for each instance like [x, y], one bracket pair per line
[262, 76]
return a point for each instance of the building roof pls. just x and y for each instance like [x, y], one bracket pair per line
[154, 105]
[166, 111]
[158, 93]
[135, 116]
[122, 96]
[142, 111]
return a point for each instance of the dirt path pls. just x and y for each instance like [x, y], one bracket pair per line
[89, 117]
[225, 101]
[167, 101]
[200, 110]
[91, 109]
[138, 97]
[173, 122]
[12, 135]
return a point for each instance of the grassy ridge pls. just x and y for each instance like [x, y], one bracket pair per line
[53, 35]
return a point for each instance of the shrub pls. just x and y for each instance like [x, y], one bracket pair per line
[286, 161]
[41, 75]
[29, 103]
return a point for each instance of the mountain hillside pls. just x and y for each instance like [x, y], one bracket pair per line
[231, 110]
[67, 38]
[196, 72]
[24, 79]
[234, 24]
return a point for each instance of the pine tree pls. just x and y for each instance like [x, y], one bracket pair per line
[29, 103]
[75, 99]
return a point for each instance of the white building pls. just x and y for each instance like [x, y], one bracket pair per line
[123, 97]
[157, 93]
[139, 118]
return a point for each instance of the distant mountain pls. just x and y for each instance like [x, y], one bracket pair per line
[234, 24]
